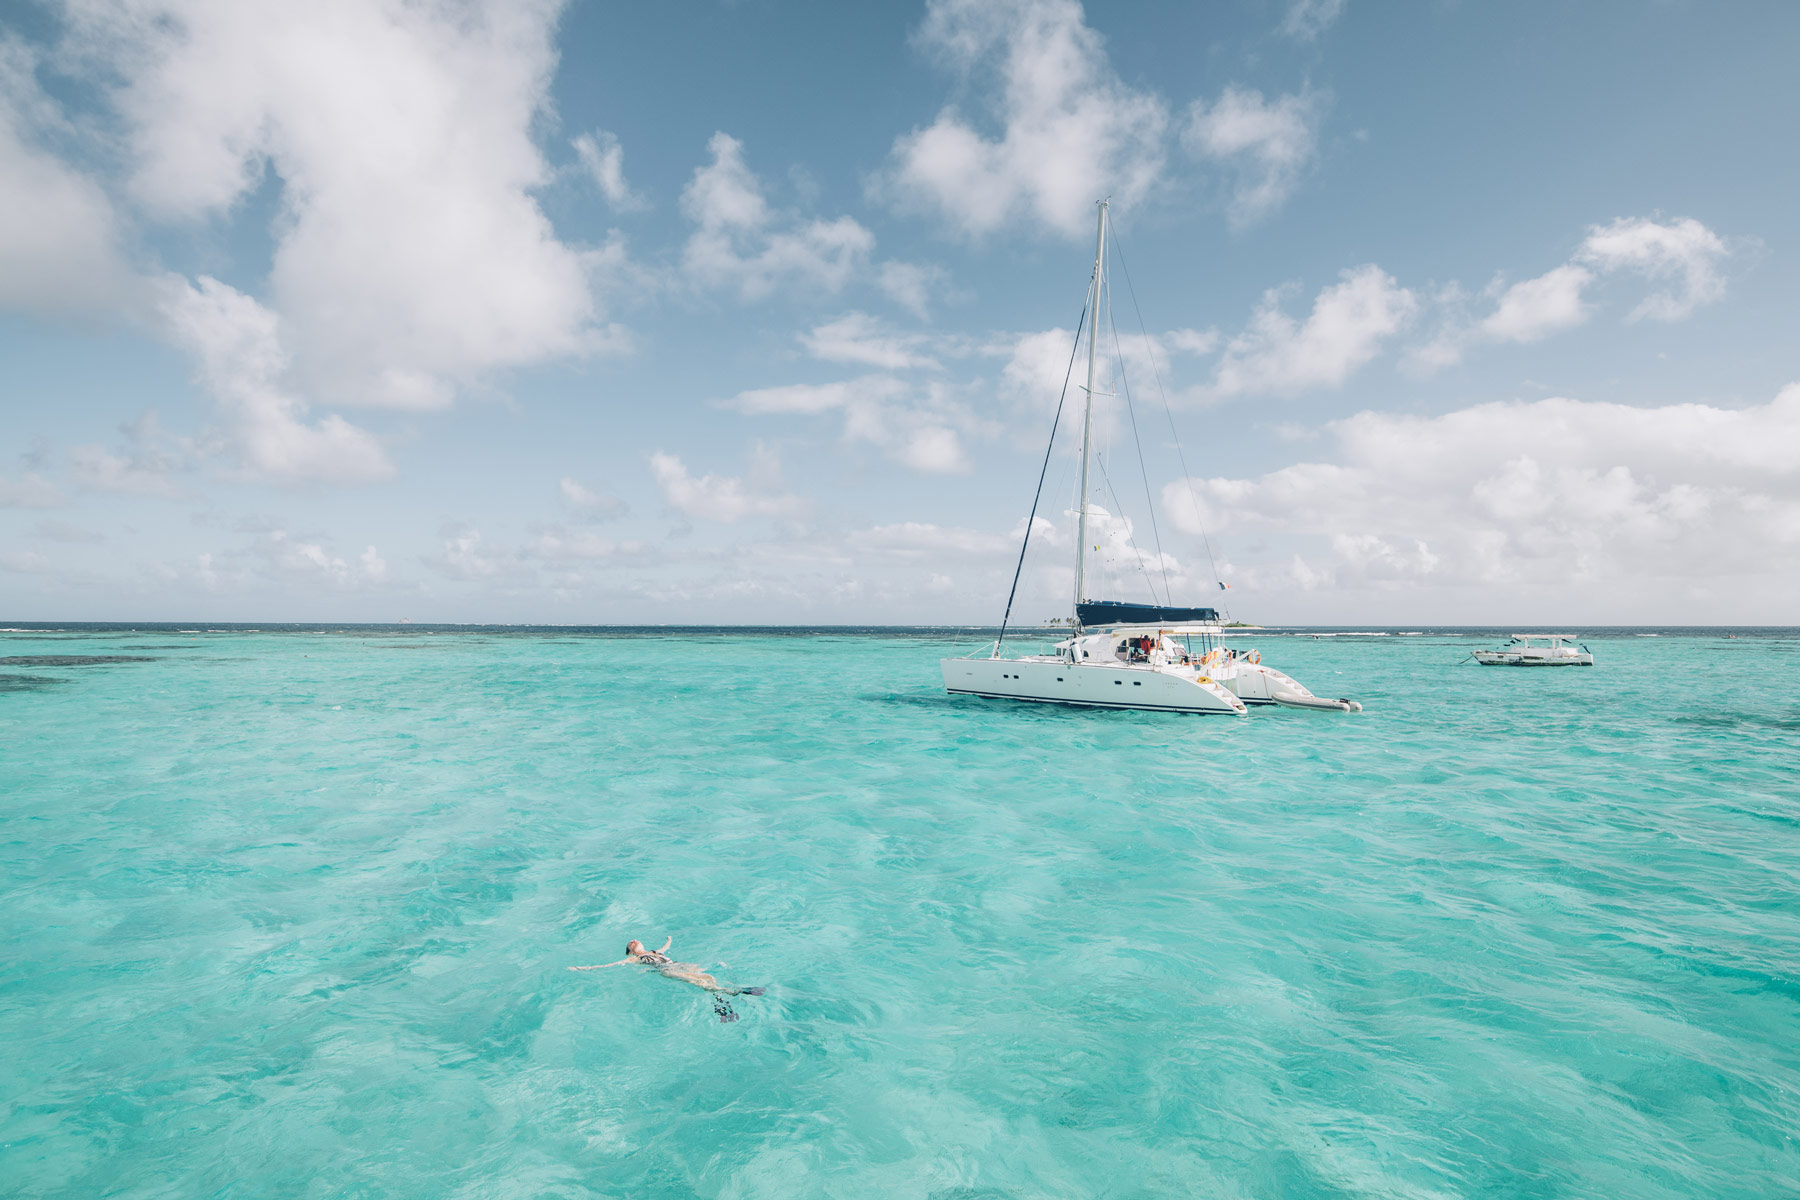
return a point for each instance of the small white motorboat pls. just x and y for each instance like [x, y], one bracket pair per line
[1538, 650]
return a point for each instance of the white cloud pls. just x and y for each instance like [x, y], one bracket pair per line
[24, 562]
[919, 426]
[411, 253]
[58, 235]
[69, 533]
[1037, 364]
[930, 448]
[813, 398]
[1307, 19]
[1070, 132]
[1122, 563]
[741, 243]
[859, 338]
[590, 505]
[148, 466]
[726, 498]
[237, 345]
[1349, 323]
[374, 567]
[1537, 308]
[557, 544]
[305, 558]
[603, 158]
[463, 556]
[1683, 252]
[1269, 142]
[924, 540]
[97, 468]
[29, 490]
[1606, 499]
[910, 285]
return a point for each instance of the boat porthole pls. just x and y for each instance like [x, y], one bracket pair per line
[1137, 683]
[1118, 683]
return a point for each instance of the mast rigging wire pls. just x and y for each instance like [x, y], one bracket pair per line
[1186, 476]
[1043, 470]
[1100, 459]
[1143, 467]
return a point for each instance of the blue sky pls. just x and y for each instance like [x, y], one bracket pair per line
[758, 312]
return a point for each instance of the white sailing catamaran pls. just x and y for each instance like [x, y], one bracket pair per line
[1125, 655]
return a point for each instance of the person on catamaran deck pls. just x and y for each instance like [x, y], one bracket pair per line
[636, 955]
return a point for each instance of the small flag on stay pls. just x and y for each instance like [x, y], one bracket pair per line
[1223, 585]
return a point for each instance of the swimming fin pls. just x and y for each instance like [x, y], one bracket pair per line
[751, 991]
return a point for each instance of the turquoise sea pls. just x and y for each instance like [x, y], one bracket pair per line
[287, 912]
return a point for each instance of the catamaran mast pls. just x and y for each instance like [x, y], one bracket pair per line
[1087, 420]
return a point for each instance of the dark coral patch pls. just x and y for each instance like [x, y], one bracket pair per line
[71, 660]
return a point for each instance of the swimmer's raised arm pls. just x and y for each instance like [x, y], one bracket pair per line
[602, 966]
[667, 942]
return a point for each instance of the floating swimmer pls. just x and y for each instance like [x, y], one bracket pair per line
[636, 955]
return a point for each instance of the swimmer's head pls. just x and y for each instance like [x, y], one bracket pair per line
[634, 947]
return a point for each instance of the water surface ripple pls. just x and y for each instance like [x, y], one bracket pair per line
[287, 914]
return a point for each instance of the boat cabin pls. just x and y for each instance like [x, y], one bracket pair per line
[1152, 645]
[1544, 643]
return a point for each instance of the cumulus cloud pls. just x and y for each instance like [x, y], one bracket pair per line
[910, 285]
[726, 498]
[557, 544]
[283, 554]
[25, 562]
[1307, 19]
[603, 159]
[29, 490]
[1268, 143]
[69, 533]
[1552, 492]
[859, 338]
[1350, 322]
[148, 466]
[741, 243]
[1683, 253]
[463, 557]
[813, 398]
[1537, 308]
[590, 505]
[923, 540]
[1682, 256]
[919, 425]
[411, 254]
[237, 346]
[59, 251]
[1037, 364]
[1067, 130]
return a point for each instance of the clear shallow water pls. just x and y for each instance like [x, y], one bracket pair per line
[287, 914]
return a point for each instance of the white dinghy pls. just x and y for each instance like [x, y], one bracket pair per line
[1125, 655]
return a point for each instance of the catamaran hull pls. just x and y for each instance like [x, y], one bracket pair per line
[1091, 685]
[1494, 658]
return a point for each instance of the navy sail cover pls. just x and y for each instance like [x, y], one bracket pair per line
[1118, 612]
